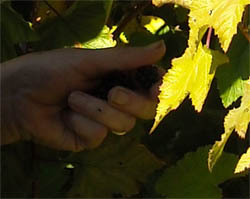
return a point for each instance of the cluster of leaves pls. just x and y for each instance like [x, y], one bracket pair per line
[122, 166]
[193, 72]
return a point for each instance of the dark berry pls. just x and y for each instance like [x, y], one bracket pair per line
[140, 79]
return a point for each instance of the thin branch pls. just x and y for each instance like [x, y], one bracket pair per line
[62, 18]
[138, 8]
[52, 8]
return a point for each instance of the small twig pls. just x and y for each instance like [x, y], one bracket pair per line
[61, 17]
[138, 8]
[52, 8]
[209, 37]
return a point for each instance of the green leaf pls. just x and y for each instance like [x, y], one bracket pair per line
[52, 178]
[13, 30]
[80, 23]
[230, 76]
[238, 120]
[103, 40]
[142, 38]
[117, 167]
[190, 178]
[16, 173]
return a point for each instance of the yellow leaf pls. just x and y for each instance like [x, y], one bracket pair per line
[202, 78]
[225, 18]
[152, 23]
[244, 162]
[174, 88]
[188, 75]
[216, 14]
[237, 119]
[222, 15]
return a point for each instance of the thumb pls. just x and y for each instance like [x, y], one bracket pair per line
[120, 58]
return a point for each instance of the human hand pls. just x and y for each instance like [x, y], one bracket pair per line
[35, 89]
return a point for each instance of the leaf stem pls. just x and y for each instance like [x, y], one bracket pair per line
[209, 36]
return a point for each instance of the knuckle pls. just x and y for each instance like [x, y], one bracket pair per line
[131, 124]
[98, 138]
[127, 125]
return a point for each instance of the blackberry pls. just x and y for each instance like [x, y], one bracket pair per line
[147, 76]
[140, 79]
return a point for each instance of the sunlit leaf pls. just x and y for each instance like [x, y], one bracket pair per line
[81, 22]
[237, 119]
[142, 30]
[188, 75]
[103, 40]
[152, 23]
[231, 76]
[211, 13]
[244, 162]
[190, 178]
[132, 27]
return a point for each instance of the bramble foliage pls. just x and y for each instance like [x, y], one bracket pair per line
[238, 120]
[191, 168]
[192, 73]
[244, 162]
[138, 165]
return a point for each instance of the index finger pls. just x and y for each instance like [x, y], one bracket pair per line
[122, 58]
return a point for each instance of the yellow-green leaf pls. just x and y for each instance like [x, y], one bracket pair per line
[188, 75]
[152, 23]
[244, 119]
[244, 162]
[222, 15]
[103, 40]
[216, 14]
[237, 119]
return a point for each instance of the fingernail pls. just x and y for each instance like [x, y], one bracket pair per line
[156, 45]
[119, 97]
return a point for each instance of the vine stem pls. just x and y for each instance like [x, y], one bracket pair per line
[209, 36]
[62, 18]
[137, 9]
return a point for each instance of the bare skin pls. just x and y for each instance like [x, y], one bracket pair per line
[43, 96]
